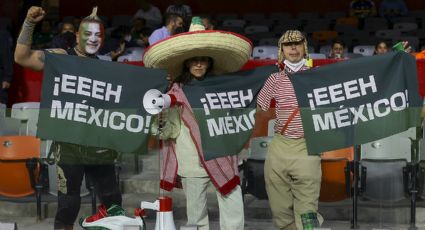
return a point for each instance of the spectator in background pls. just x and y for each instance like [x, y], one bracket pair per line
[390, 9]
[337, 50]
[6, 64]
[208, 22]
[150, 13]
[116, 45]
[43, 38]
[362, 8]
[173, 25]
[381, 47]
[66, 38]
[181, 9]
[140, 33]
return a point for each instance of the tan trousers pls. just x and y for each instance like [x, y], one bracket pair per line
[292, 181]
[230, 206]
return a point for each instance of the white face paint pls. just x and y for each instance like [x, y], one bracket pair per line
[90, 37]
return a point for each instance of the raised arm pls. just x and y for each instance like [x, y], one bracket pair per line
[24, 56]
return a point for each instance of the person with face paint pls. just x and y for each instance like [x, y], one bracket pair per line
[73, 161]
[292, 176]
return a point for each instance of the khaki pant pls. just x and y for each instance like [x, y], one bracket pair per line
[231, 206]
[292, 181]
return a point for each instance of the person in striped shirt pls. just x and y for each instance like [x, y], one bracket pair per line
[292, 176]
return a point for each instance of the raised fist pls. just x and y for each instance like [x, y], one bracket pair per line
[35, 14]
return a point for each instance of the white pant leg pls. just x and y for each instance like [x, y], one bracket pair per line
[195, 189]
[231, 210]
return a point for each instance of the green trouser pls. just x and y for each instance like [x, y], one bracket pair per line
[292, 181]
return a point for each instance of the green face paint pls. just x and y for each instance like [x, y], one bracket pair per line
[90, 37]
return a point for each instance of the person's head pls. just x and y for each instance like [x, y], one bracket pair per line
[337, 49]
[139, 24]
[292, 46]
[195, 68]
[67, 27]
[91, 33]
[174, 23]
[381, 47]
[208, 23]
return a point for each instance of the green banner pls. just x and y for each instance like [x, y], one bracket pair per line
[96, 103]
[358, 101]
[225, 107]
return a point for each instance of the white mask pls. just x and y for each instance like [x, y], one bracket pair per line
[295, 66]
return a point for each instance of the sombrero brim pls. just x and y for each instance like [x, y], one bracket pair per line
[229, 51]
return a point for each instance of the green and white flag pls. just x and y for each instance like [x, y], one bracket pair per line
[358, 101]
[96, 103]
[225, 107]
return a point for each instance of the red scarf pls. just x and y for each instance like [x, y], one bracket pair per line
[222, 171]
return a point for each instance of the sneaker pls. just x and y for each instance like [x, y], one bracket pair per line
[95, 221]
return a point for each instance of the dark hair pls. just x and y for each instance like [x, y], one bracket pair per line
[169, 17]
[338, 41]
[186, 77]
[120, 32]
[382, 41]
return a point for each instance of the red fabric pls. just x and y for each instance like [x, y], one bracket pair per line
[101, 212]
[222, 171]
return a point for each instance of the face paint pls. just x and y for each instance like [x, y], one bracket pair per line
[90, 37]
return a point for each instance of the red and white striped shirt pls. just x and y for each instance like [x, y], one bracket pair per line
[279, 87]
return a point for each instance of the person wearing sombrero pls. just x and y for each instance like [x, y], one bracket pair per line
[189, 57]
[292, 176]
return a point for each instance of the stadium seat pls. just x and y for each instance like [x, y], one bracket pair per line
[336, 182]
[383, 180]
[348, 21]
[405, 26]
[280, 16]
[313, 27]
[253, 182]
[253, 17]
[333, 15]
[225, 16]
[256, 29]
[268, 42]
[388, 34]
[19, 167]
[265, 52]
[393, 147]
[364, 50]
[372, 24]
[27, 112]
[324, 36]
[317, 56]
[308, 15]
[3, 110]
[234, 23]
[344, 153]
[11, 126]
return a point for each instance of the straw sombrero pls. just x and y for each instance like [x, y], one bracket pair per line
[229, 51]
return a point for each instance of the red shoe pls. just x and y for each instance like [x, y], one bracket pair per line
[101, 213]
